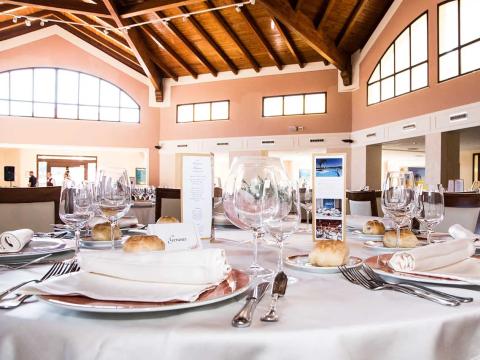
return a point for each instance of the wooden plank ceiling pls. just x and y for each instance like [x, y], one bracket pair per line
[266, 33]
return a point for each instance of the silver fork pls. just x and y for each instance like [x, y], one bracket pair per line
[57, 269]
[375, 277]
[356, 277]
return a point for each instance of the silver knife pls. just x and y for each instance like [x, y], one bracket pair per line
[244, 316]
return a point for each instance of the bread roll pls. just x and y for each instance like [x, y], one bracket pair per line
[138, 243]
[329, 253]
[167, 220]
[407, 239]
[374, 227]
[103, 232]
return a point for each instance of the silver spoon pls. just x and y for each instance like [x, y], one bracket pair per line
[279, 288]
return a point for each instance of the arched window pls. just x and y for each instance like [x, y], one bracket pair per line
[404, 66]
[458, 38]
[64, 94]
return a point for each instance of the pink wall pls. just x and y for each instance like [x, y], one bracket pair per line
[455, 92]
[57, 52]
[245, 97]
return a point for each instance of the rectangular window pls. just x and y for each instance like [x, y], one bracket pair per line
[458, 38]
[204, 111]
[295, 104]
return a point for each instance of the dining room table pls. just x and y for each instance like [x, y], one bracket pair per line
[322, 316]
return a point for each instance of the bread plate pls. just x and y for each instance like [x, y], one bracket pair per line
[377, 245]
[359, 234]
[379, 264]
[89, 243]
[37, 247]
[236, 284]
[300, 262]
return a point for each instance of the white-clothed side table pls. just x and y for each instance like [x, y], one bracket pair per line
[321, 317]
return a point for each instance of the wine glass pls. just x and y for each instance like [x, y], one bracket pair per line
[307, 205]
[113, 196]
[429, 206]
[398, 198]
[250, 198]
[76, 207]
[287, 220]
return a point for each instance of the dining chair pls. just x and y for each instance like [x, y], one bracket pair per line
[32, 208]
[168, 203]
[362, 203]
[463, 209]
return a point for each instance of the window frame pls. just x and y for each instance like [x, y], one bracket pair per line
[200, 103]
[56, 102]
[459, 45]
[294, 94]
[409, 68]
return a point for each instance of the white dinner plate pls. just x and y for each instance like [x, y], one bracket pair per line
[88, 243]
[300, 262]
[236, 284]
[377, 245]
[37, 247]
[379, 264]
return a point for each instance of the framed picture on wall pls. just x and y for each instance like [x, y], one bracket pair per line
[141, 176]
[476, 166]
[329, 181]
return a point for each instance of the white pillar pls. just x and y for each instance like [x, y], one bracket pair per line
[433, 158]
[358, 167]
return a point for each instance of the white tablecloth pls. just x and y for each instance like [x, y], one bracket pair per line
[321, 317]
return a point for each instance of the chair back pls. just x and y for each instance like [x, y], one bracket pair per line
[463, 209]
[168, 203]
[33, 208]
[362, 203]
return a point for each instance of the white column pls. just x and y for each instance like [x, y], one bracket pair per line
[433, 158]
[358, 167]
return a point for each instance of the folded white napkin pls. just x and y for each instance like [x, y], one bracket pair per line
[457, 231]
[195, 267]
[450, 259]
[15, 240]
[357, 221]
[156, 277]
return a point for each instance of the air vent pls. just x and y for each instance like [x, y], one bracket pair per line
[317, 140]
[182, 145]
[458, 117]
[222, 144]
[371, 135]
[409, 127]
[268, 141]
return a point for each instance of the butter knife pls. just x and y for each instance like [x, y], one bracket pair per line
[279, 288]
[244, 316]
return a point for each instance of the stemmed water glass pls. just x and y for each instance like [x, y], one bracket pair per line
[307, 205]
[429, 206]
[398, 198]
[250, 198]
[76, 207]
[287, 220]
[113, 196]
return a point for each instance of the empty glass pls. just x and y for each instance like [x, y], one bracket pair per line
[250, 198]
[398, 198]
[429, 206]
[76, 207]
[287, 219]
[113, 196]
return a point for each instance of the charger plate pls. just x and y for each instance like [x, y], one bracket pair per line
[37, 247]
[236, 283]
[379, 264]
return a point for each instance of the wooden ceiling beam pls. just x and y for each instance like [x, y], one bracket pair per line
[170, 73]
[8, 33]
[150, 6]
[298, 5]
[149, 31]
[228, 29]
[100, 43]
[8, 8]
[319, 41]
[72, 6]
[201, 30]
[282, 29]
[324, 11]
[135, 41]
[258, 32]
[173, 29]
[9, 24]
[352, 19]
